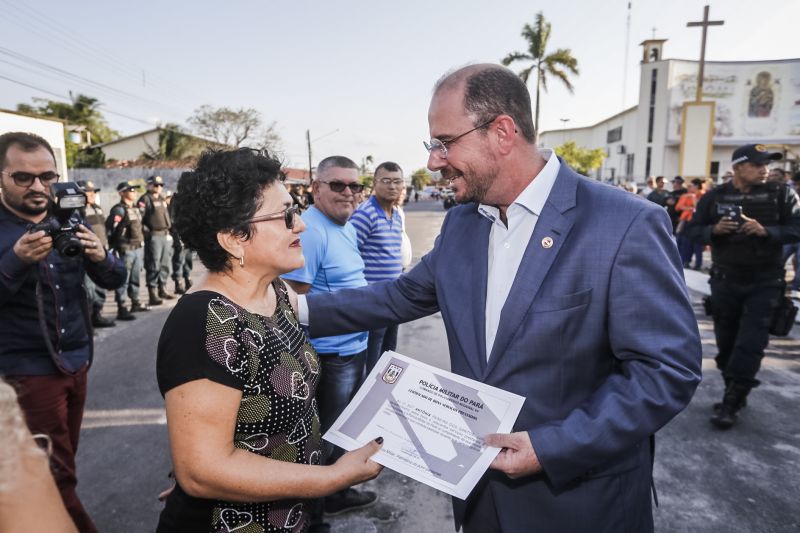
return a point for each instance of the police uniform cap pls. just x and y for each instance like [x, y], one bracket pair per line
[155, 180]
[126, 186]
[87, 185]
[754, 153]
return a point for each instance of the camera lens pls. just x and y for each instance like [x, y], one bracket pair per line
[68, 244]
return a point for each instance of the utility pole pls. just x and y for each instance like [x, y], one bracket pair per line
[308, 140]
[627, 50]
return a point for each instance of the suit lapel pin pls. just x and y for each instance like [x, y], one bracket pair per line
[547, 242]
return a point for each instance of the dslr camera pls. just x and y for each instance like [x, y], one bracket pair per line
[62, 223]
[731, 211]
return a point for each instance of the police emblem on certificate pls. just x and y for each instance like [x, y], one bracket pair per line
[432, 422]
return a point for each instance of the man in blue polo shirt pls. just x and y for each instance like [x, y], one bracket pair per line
[333, 263]
[379, 227]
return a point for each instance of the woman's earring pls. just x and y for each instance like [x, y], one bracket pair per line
[241, 260]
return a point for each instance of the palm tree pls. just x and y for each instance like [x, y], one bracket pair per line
[555, 64]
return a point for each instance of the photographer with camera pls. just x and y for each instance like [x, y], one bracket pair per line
[45, 329]
[746, 221]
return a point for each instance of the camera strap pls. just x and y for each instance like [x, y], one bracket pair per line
[49, 343]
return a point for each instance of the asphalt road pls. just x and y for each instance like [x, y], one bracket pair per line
[740, 481]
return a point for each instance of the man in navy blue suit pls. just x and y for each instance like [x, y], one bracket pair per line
[552, 286]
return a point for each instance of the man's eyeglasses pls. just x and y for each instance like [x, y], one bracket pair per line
[287, 214]
[26, 179]
[339, 186]
[441, 146]
[392, 181]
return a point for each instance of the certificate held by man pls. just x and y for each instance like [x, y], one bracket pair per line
[432, 422]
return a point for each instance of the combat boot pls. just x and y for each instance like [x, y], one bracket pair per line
[163, 294]
[98, 321]
[188, 283]
[179, 287]
[716, 407]
[124, 314]
[154, 299]
[136, 307]
[732, 402]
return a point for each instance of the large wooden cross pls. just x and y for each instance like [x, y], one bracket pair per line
[705, 23]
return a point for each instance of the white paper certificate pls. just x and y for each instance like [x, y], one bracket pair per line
[432, 422]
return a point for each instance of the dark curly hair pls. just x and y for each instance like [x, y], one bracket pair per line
[222, 193]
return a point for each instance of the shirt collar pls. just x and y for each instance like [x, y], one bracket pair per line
[534, 195]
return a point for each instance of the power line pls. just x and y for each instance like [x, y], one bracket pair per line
[62, 41]
[114, 62]
[66, 99]
[74, 77]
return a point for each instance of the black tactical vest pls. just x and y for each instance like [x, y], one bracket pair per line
[746, 253]
[133, 235]
[97, 220]
[156, 217]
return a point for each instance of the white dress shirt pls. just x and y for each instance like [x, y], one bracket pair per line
[507, 244]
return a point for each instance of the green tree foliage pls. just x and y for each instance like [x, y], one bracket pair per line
[581, 159]
[84, 111]
[420, 178]
[173, 144]
[88, 158]
[555, 64]
[235, 127]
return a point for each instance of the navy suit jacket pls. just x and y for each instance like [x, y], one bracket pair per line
[597, 333]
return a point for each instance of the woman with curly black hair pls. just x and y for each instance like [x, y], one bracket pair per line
[237, 373]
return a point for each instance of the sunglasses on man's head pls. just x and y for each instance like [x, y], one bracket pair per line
[26, 179]
[287, 214]
[339, 186]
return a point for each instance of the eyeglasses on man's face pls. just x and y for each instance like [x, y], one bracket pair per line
[439, 146]
[392, 181]
[287, 214]
[340, 186]
[26, 179]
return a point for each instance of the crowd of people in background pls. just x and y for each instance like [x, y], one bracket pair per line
[140, 232]
[258, 361]
[681, 201]
[750, 222]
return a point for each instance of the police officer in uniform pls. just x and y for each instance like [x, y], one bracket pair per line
[96, 219]
[157, 248]
[126, 237]
[182, 263]
[747, 221]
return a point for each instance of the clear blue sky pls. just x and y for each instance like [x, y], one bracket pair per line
[365, 68]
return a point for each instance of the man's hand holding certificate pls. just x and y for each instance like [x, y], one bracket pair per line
[432, 422]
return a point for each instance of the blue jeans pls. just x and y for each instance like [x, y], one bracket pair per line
[95, 294]
[181, 263]
[380, 340]
[687, 248]
[133, 266]
[341, 376]
[157, 260]
[788, 251]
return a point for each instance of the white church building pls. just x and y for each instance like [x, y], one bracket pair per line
[756, 102]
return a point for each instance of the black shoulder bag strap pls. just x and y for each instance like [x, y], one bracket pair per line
[46, 334]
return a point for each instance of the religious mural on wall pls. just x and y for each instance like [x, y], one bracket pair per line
[755, 101]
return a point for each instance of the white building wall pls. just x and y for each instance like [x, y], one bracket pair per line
[132, 147]
[670, 90]
[614, 165]
[50, 130]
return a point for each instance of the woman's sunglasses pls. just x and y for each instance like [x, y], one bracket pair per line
[287, 214]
